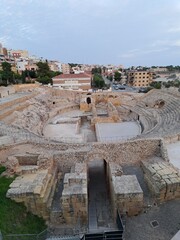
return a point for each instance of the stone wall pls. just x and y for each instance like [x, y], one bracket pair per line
[26, 87]
[163, 180]
[74, 200]
[131, 152]
[128, 194]
[62, 109]
[113, 170]
[123, 153]
[36, 184]
[67, 94]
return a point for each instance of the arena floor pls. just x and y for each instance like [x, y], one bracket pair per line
[117, 131]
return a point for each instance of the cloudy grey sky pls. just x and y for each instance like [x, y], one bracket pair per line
[128, 32]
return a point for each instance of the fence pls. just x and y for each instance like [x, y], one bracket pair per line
[41, 236]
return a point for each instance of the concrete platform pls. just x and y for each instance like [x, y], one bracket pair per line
[173, 150]
[110, 132]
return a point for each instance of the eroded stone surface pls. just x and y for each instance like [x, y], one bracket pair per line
[163, 180]
[74, 196]
[128, 194]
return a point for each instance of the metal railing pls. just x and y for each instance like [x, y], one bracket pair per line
[40, 236]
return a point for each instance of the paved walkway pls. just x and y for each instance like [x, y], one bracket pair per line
[168, 217]
[100, 217]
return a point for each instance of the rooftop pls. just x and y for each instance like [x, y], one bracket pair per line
[80, 75]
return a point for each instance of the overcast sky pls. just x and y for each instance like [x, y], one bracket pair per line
[128, 32]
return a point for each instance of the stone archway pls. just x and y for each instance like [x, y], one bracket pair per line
[88, 100]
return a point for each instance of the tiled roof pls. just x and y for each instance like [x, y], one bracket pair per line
[80, 75]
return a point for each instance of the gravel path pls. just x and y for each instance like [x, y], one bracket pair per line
[167, 215]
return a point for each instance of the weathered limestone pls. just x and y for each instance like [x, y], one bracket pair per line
[35, 115]
[38, 174]
[6, 140]
[162, 179]
[74, 196]
[28, 163]
[36, 184]
[6, 91]
[128, 194]
[112, 112]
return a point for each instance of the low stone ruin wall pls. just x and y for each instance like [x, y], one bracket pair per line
[36, 184]
[74, 200]
[122, 153]
[26, 87]
[128, 194]
[163, 180]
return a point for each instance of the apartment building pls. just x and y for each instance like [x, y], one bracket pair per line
[18, 53]
[66, 69]
[73, 81]
[54, 66]
[140, 78]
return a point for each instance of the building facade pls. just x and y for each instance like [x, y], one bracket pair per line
[73, 81]
[140, 78]
[18, 53]
[66, 69]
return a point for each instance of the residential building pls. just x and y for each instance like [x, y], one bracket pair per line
[54, 66]
[31, 67]
[21, 65]
[77, 70]
[140, 78]
[73, 81]
[18, 53]
[66, 69]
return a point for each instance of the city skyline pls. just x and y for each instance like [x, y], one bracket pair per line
[125, 32]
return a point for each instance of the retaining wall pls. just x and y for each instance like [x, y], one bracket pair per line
[123, 153]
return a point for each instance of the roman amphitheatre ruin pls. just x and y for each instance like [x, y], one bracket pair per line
[90, 164]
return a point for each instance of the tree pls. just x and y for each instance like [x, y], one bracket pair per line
[43, 69]
[170, 68]
[156, 85]
[117, 76]
[98, 81]
[7, 74]
[43, 73]
[96, 70]
[110, 77]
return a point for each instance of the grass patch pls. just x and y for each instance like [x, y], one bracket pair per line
[2, 169]
[14, 219]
